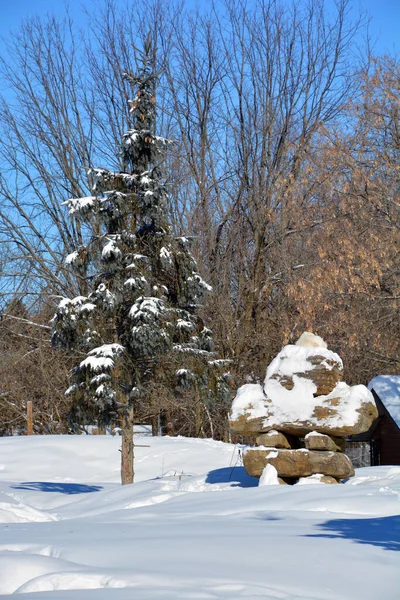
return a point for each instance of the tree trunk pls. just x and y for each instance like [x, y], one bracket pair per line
[127, 451]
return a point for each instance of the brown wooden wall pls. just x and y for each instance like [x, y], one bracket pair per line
[388, 434]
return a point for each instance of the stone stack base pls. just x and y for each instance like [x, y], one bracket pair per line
[321, 457]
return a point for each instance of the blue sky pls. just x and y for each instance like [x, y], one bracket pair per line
[385, 23]
[385, 16]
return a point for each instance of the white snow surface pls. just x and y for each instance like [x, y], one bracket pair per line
[193, 526]
[388, 389]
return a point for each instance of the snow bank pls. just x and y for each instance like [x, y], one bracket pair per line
[193, 526]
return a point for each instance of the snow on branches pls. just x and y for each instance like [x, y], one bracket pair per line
[102, 358]
[80, 205]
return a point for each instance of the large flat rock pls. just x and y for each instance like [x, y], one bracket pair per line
[345, 411]
[297, 463]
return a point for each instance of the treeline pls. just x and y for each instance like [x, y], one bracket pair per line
[285, 171]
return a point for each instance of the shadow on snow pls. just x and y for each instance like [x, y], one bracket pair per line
[235, 475]
[60, 488]
[382, 531]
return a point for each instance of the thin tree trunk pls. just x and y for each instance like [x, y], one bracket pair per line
[197, 413]
[209, 419]
[127, 450]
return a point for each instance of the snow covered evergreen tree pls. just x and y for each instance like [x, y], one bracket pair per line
[146, 295]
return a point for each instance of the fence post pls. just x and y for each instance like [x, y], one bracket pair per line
[29, 417]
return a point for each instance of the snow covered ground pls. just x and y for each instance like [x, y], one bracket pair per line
[193, 526]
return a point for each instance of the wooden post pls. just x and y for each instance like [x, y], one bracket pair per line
[154, 425]
[127, 451]
[197, 413]
[29, 417]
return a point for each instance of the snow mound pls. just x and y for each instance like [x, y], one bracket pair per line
[269, 476]
[18, 512]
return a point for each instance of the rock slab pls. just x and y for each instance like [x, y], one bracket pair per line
[320, 441]
[297, 463]
[274, 439]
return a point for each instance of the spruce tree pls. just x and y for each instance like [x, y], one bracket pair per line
[146, 290]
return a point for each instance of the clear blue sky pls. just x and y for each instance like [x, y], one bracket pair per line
[385, 23]
[385, 16]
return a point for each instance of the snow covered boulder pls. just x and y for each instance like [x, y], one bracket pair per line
[316, 364]
[290, 400]
[297, 463]
[345, 411]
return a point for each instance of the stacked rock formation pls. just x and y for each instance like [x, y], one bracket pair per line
[301, 415]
